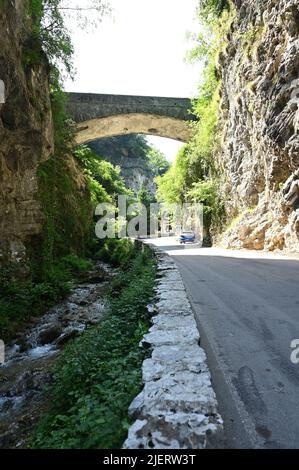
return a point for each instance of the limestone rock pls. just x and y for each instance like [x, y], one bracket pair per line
[259, 118]
[26, 134]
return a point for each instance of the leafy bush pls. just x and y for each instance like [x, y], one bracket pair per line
[75, 264]
[207, 193]
[118, 252]
[105, 181]
[211, 9]
[22, 298]
[99, 373]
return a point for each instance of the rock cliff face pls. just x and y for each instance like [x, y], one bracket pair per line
[259, 118]
[26, 134]
[131, 159]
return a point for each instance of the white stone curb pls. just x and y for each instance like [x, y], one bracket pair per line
[177, 408]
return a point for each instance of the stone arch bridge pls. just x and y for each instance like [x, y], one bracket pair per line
[98, 116]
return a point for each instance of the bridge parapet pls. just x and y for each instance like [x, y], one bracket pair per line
[86, 106]
[102, 115]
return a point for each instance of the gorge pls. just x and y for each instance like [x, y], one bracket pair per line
[63, 153]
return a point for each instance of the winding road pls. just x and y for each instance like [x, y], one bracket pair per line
[247, 308]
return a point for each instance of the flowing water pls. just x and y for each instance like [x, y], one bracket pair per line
[28, 359]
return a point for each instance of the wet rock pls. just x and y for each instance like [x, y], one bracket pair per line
[93, 277]
[23, 384]
[5, 405]
[23, 345]
[29, 360]
[67, 336]
[50, 334]
[152, 309]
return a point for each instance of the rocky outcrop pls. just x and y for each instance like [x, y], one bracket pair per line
[129, 153]
[259, 119]
[26, 134]
[177, 408]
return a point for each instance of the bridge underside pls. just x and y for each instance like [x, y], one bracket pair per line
[133, 123]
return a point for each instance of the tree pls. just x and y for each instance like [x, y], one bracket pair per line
[173, 185]
[210, 9]
[102, 174]
[50, 31]
[144, 197]
[159, 164]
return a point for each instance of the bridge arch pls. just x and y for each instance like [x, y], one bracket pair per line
[100, 116]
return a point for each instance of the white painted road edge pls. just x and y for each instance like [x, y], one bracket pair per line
[177, 408]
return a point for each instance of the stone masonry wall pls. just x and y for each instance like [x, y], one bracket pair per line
[177, 408]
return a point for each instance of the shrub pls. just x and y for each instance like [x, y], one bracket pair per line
[118, 252]
[22, 298]
[75, 264]
[99, 373]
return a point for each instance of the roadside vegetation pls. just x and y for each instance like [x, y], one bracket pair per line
[99, 373]
[194, 177]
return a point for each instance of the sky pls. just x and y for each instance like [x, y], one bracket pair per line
[139, 50]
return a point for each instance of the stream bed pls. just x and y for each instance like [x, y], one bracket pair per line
[30, 357]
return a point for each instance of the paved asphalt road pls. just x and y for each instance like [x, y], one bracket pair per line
[247, 308]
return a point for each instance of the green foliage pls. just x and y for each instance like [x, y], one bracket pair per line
[158, 162]
[209, 10]
[23, 297]
[172, 186]
[68, 200]
[194, 175]
[75, 264]
[65, 201]
[213, 17]
[64, 132]
[144, 197]
[104, 178]
[99, 373]
[120, 148]
[49, 33]
[49, 39]
[207, 193]
[118, 252]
